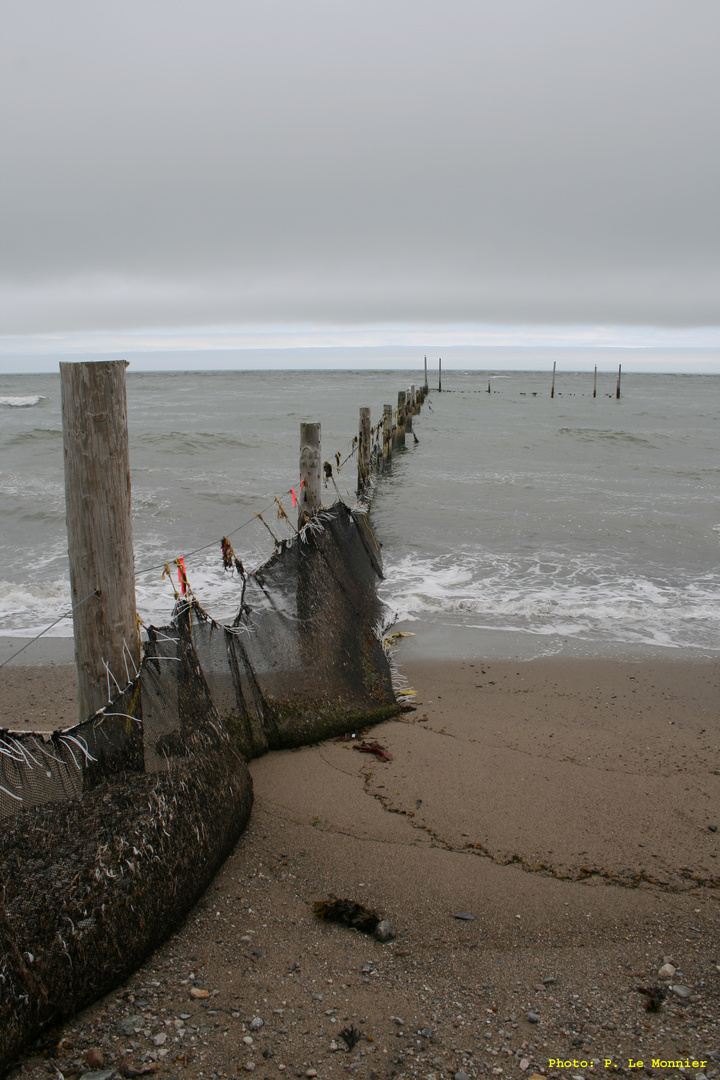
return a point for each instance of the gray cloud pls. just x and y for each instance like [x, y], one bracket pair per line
[536, 160]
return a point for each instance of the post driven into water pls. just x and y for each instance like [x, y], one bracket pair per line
[99, 527]
[364, 447]
[310, 469]
[387, 432]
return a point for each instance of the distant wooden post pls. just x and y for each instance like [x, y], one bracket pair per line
[99, 527]
[617, 388]
[363, 448]
[399, 437]
[439, 374]
[489, 386]
[309, 495]
[425, 384]
[414, 403]
[552, 388]
[387, 432]
[595, 383]
[409, 408]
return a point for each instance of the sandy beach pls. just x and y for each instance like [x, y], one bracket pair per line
[568, 810]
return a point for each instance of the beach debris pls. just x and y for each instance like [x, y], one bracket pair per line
[129, 1070]
[350, 1036]
[654, 997]
[466, 915]
[374, 748]
[357, 916]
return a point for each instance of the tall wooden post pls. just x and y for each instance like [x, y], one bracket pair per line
[595, 383]
[617, 388]
[99, 527]
[400, 426]
[439, 374]
[409, 408]
[425, 384]
[387, 432]
[414, 403]
[309, 496]
[363, 448]
[552, 388]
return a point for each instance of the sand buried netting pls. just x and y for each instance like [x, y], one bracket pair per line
[113, 829]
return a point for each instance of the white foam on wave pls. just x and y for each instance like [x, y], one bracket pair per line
[550, 595]
[22, 402]
[26, 609]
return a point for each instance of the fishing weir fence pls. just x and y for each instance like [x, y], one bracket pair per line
[113, 828]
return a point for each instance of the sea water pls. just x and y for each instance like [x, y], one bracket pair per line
[516, 525]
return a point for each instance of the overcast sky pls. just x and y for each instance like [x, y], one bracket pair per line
[170, 164]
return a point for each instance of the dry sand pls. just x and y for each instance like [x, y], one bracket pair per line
[570, 807]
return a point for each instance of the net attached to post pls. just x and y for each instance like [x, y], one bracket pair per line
[112, 829]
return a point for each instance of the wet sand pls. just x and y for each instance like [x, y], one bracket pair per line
[571, 807]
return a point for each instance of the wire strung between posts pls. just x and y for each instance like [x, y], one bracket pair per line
[66, 615]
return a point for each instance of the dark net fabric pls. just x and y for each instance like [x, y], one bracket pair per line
[112, 829]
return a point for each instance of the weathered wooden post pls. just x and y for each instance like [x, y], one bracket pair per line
[489, 391]
[617, 388]
[309, 495]
[387, 432]
[595, 383]
[409, 408]
[399, 436]
[363, 448]
[414, 403]
[439, 374]
[552, 388]
[99, 527]
[425, 384]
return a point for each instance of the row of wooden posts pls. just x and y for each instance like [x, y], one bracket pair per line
[374, 445]
[98, 508]
[552, 387]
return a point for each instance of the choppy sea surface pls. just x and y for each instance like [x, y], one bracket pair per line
[517, 525]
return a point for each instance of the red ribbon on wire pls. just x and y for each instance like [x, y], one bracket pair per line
[182, 575]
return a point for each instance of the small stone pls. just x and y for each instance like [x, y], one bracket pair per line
[249, 1066]
[131, 1025]
[197, 993]
[681, 991]
[461, 1075]
[268, 1053]
[94, 1057]
[256, 1023]
[311, 1072]
[102, 1074]
[466, 915]
[160, 1039]
[524, 1065]
[384, 931]
[398, 1020]
[549, 980]
[713, 828]
[533, 1018]
[248, 1040]
[666, 971]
